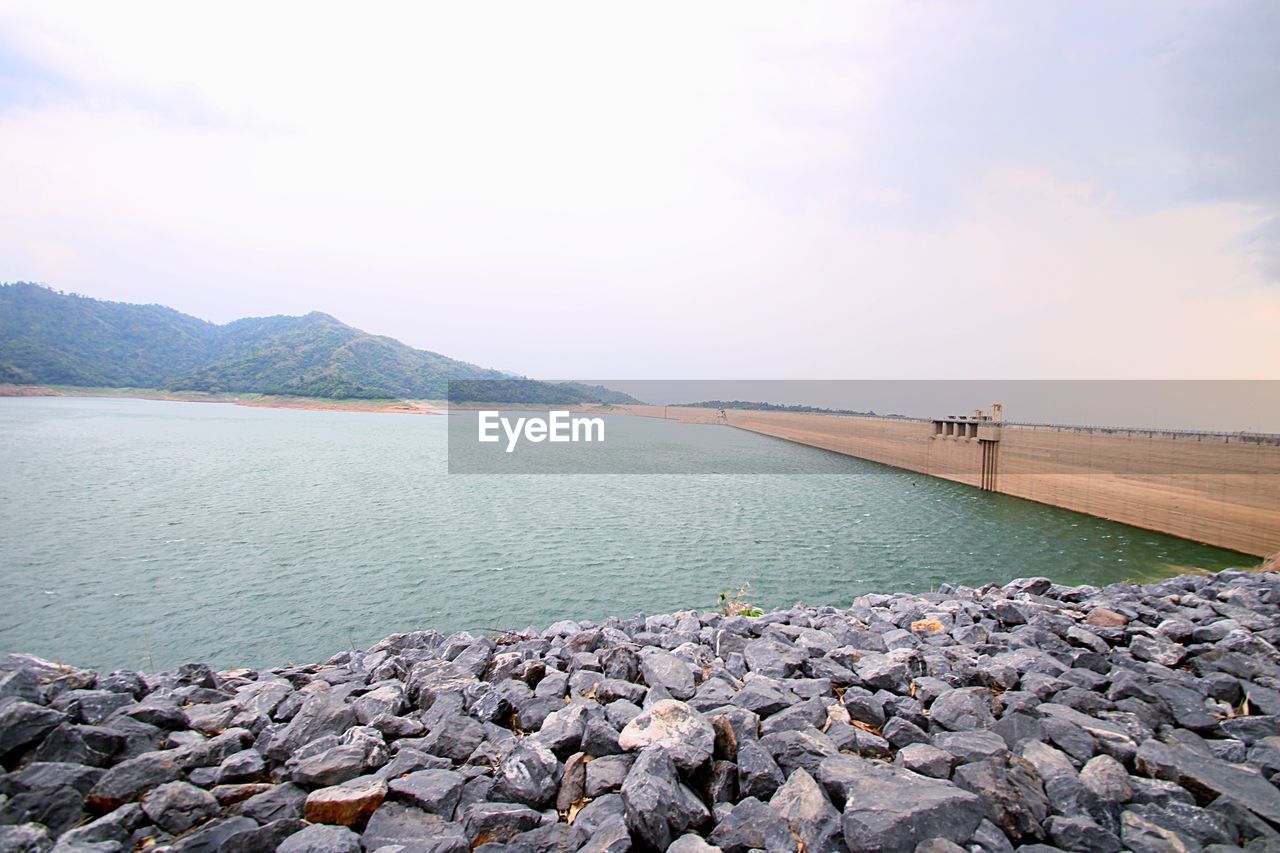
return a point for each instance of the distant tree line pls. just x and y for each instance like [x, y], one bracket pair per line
[777, 407]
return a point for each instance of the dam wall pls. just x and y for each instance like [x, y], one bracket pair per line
[1221, 489]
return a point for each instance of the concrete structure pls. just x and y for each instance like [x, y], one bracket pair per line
[1221, 489]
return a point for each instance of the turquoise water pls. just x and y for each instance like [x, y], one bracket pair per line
[143, 534]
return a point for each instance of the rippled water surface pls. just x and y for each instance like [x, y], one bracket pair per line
[142, 534]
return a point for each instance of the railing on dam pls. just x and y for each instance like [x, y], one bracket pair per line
[1268, 439]
[1260, 438]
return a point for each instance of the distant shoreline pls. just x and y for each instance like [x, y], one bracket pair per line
[261, 401]
[319, 404]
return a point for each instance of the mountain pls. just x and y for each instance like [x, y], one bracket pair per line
[65, 339]
[62, 339]
[317, 356]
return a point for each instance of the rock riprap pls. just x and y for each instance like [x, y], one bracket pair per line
[1031, 716]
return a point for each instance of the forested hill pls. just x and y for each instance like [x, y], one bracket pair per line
[47, 337]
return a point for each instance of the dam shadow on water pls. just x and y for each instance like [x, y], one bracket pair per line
[144, 534]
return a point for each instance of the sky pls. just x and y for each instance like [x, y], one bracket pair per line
[670, 190]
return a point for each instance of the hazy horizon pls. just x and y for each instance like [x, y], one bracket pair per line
[992, 190]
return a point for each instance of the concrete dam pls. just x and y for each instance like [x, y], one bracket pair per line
[1221, 489]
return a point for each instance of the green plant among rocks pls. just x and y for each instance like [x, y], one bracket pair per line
[734, 601]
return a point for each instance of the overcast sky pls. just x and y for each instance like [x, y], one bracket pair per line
[661, 190]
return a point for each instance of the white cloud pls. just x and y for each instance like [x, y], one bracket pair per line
[666, 190]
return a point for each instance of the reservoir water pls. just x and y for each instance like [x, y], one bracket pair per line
[143, 534]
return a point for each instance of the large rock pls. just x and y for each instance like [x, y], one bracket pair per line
[263, 838]
[606, 774]
[891, 809]
[247, 765]
[280, 802]
[435, 791]
[348, 804]
[1012, 794]
[21, 684]
[212, 837]
[691, 843]
[774, 658]
[548, 838]
[320, 838]
[530, 775]
[798, 748]
[562, 730]
[81, 744]
[758, 774]
[58, 808]
[892, 671]
[925, 759]
[1106, 779]
[612, 836]
[387, 699]
[573, 782]
[47, 775]
[26, 838]
[321, 714]
[674, 727]
[1208, 777]
[23, 723]
[663, 669]
[117, 826]
[752, 825]
[658, 805]
[803, 804]
[454, 737]
[762, 696]
[964, 709]
[1081, 833]
[499, 822]
[401, 824]
[409, 760]
[128, 780]
[331, 767]
[432, 678]
[91, 706]
[1062, 785]
[175, 807]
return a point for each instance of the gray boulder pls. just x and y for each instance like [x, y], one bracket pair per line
[435, 791]
[1012, 794]
[321, 838]
[964, 709]
[26, 838]
[321, 714]
[892, 809]
[23, 723]
[277, 803]
[753, 825]
[400, 824]
[663, 669]
[499, 822]
[658, 806]
[129, 779]
[529, 775]
[175, 807]
[803, 804]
